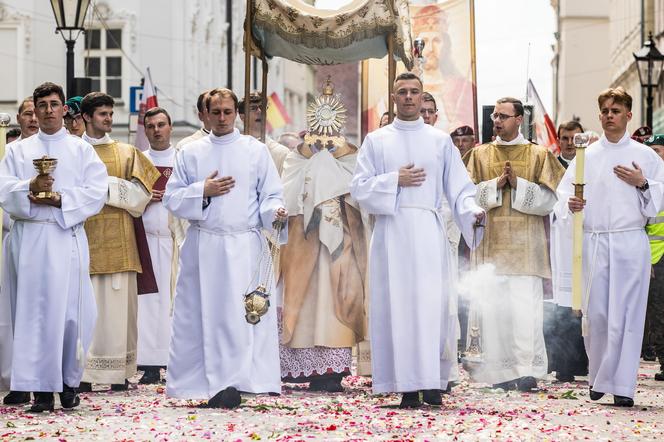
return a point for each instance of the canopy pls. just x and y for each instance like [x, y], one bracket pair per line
[296, 31]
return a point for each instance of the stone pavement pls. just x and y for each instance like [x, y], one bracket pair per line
[472, 412]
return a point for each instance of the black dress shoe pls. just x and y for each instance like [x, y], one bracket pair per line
[85, 387]
[333, 385]
[507, 386]
[16, 398]
[410, 400]
[563, 377]
[527, 384]
[595, 395]
[43, 402]
[120, 387]
[228, 398]
[649, 354]
[150, 376]
[432, 397]
[622, 401]
[659, 376]
[317, 385]
[69, 398]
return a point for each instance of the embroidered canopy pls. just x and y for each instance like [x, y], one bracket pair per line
[294, 30]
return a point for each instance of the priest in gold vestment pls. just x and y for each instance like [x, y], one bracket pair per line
[516, 184]
[323, 266]
[114, 253]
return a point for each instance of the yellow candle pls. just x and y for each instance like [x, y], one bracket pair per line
[577, 256]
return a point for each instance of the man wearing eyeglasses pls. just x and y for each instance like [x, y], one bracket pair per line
[517, 183]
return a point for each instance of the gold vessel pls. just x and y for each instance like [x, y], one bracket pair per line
[256, 304]
[45, 166]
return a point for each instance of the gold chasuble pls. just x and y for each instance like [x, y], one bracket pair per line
[111, 233]
[515, 242]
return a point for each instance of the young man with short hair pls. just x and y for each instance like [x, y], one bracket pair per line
[623, 188]
[516, 182]
[45, 268]
[227, 186]
[115, 259]
[404, 171]
[154, 309]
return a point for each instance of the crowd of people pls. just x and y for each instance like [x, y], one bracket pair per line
[229, 265]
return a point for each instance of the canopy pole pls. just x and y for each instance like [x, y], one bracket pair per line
[391, 74]
[247, 66]
[263, 99]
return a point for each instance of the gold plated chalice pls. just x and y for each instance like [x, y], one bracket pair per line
[44, 166]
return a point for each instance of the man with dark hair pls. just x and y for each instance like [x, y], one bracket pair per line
[73, 118]
[404, 171]
[562, 326]
[203, 117]
[154, 309]
[624, 186]
[45, 268]
[26, 118]
[115, 253]
[278, 152]
[227, 186]
[566, 132]
[384, 119]
[517, 183]
[429, 110]
[12, 135]
[463, 138]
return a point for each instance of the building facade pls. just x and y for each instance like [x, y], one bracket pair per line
[189, 46]
[581, 60]
[596, 41]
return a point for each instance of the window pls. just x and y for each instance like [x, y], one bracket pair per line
[103, 60]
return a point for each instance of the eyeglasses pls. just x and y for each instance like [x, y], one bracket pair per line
[427, 111]
[500, 117]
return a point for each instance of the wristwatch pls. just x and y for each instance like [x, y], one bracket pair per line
[645, 186]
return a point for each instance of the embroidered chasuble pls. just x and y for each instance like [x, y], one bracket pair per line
[111, 233]
[326, 237]
[514, 241]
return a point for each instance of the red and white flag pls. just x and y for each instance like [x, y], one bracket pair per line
[545, 130]
[148, 101]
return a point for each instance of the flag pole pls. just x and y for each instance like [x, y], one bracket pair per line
[473, 66]
[247, 65]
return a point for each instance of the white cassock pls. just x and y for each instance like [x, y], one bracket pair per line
[154, 309]
[409, 264]
[46, 261]
[6, 327]
[212, 345]
[616, 262]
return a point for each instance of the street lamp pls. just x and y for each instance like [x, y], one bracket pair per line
[70, 17]
[649, 65]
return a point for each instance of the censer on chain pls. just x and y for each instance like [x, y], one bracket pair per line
[473, 360]
[257, 302]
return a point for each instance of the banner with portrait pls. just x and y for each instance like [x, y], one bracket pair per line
[446, 69]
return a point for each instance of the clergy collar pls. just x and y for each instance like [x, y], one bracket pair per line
[225, 139]
[408, 125]
[56, 136]
[162, 153]
[106, 139]
[624, 140]
[519, 140]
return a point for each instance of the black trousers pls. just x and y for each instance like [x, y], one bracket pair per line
[564, 342]
[655, 312]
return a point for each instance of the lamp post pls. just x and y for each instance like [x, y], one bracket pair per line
[70, 17]
[649, 63]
